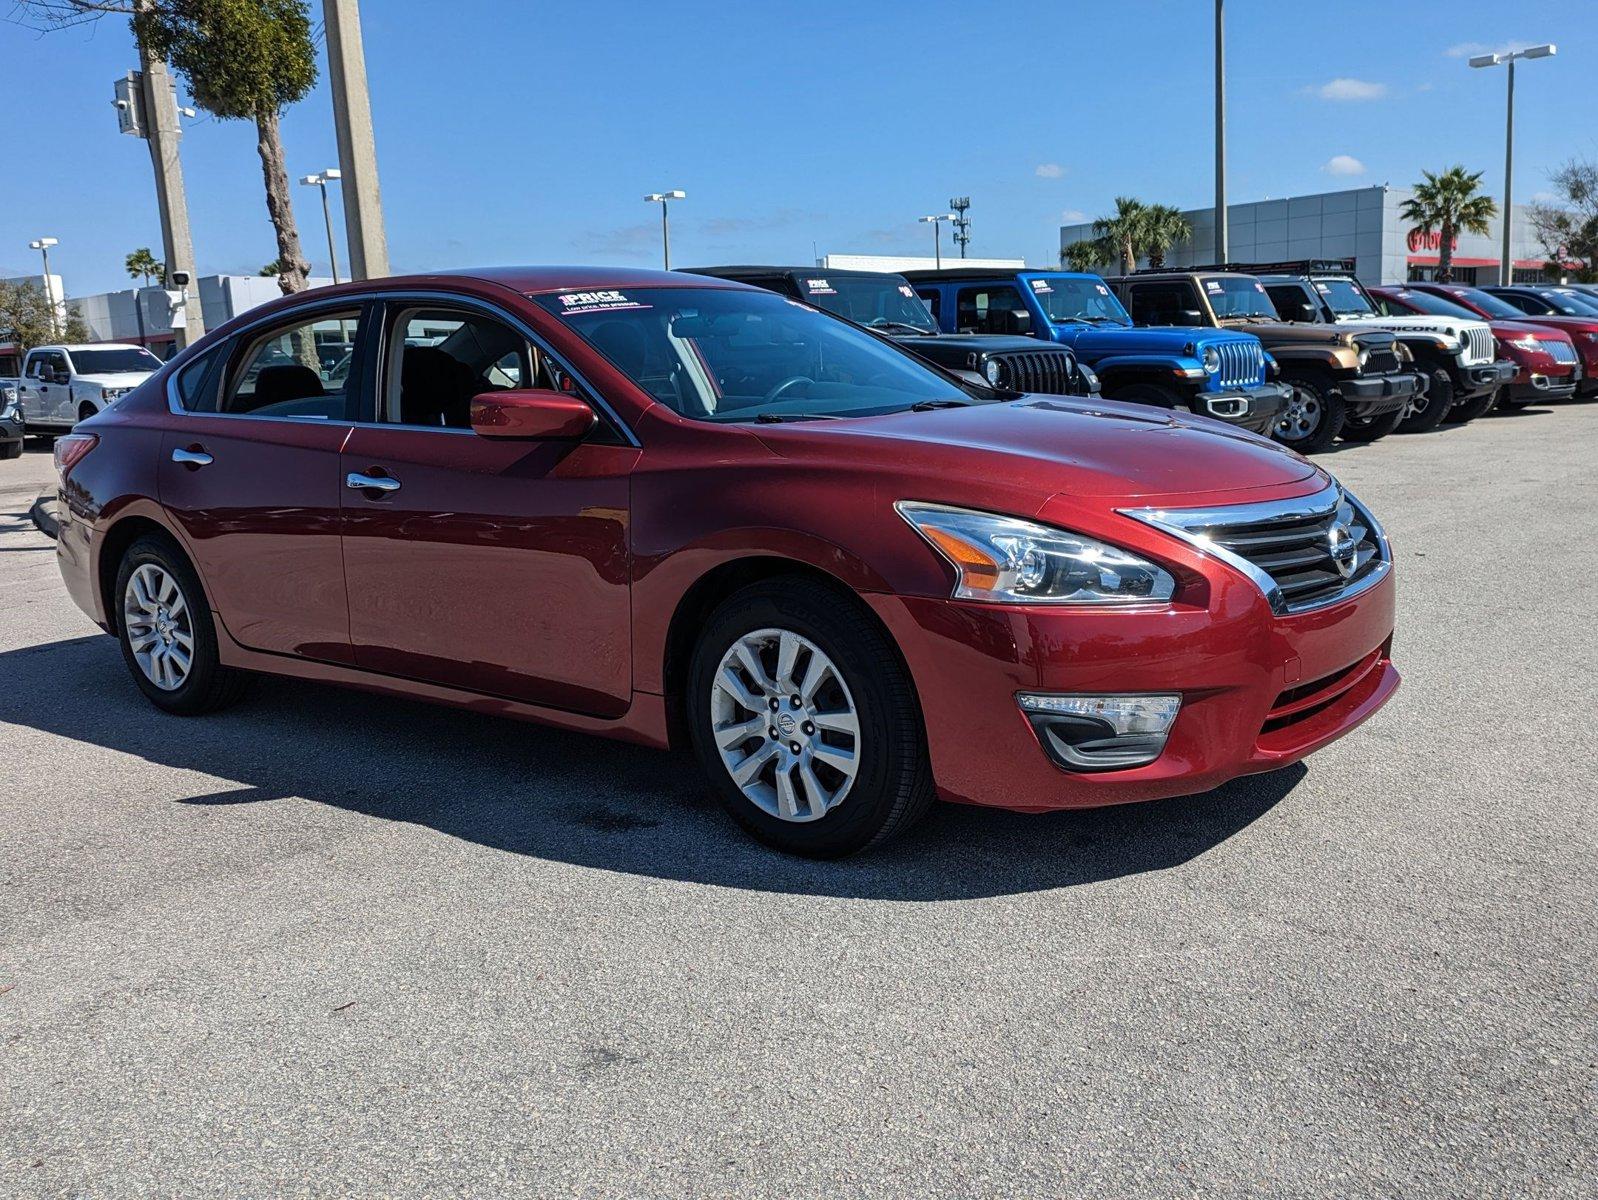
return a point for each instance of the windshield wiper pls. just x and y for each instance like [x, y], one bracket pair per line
[929, 405]
[884, 323]
[776, 418]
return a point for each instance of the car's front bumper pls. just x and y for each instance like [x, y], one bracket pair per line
[1254, 408]
[1248, 680]
[1489, 377]
[11, 430]
[1373, 395]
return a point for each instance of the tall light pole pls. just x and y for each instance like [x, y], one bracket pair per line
[42, 245]
[937, 236]
[663, 198]
[1223, 241]
[1506, 265]
[321, 179]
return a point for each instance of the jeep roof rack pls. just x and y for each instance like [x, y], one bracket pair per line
[1223, 269]
[1297, 266]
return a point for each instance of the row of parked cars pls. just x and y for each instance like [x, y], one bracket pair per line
[1301, 351]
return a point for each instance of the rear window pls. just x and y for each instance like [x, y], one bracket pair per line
[106, 362]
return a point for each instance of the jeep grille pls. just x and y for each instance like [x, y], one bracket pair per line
[1047, 372]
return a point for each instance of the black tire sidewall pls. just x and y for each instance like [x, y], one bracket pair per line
[197, 692]
[891, 742]
[1439, 399]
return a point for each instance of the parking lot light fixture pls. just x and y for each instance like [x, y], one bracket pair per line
[937, 237]
[321, 179]
[664, 199]
[1508, 59]
[42, 245]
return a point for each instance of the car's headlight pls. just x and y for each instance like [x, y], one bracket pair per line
[1364, 358]
[993, 371]
[1212, 359]
[1527, 342]
[1590, 335]
[1009, 560]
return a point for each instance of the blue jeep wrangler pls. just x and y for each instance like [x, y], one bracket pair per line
[1217, 373]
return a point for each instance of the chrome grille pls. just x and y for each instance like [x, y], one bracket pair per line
[1242, 364]
[1302, 554]
[1561, 352]
[1046, 372]
[1480, 345]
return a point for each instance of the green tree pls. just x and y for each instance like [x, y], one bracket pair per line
[1122, 235]
[141, 264]
[25, 317]
[1082, 256]
[243, 60]
[1447, 205]
[1163, 227]
[1568, 227]
[275, 267]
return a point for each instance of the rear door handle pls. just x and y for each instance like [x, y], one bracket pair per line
[376, 483]
[192, 458]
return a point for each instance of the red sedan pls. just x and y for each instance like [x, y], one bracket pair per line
[1583, 331]
[1550, 366]
[683, 511]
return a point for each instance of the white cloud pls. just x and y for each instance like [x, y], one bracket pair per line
[1343, 164]
[1049, 171]
[1351, 89]
[1073, 216]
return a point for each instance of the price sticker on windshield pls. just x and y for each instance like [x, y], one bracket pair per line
[906, 291]
[1323, 289]
[820, 287]
[574, 304]
[1212, 285]
[1103, 291]
[1041, 287]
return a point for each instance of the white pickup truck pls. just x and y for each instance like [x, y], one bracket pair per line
[62, 385]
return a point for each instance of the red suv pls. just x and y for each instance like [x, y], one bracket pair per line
[683, 511]
[1582, 330]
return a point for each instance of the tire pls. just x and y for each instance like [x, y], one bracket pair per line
[206, 685]
[86, 410]
[1433, 406]
[1314, 415]
[1469, 410]
[1507, 402]
[891, 787]
[1151, 394]
[11, 450]
[1370, 429]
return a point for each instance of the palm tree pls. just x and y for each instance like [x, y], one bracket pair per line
[1447, 205]
[141, 264]
[1082, 256]
[1123, 234]
[1163, 227]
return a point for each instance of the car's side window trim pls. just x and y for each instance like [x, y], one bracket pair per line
[397, 303]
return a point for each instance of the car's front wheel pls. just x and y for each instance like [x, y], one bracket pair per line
[1428, 409]
[164, 625]
[1313, 417]
[805, 721]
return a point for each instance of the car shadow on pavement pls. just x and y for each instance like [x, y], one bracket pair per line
[527, 789]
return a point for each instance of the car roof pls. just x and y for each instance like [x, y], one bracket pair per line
[746, 271]
[531, 280]
[70, 347]
[935, 275]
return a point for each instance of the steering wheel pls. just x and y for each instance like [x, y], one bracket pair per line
[784, 386]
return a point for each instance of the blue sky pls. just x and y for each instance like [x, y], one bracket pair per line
[529, 131]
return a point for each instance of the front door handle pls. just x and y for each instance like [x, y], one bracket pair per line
[376, 483]
[192, 458]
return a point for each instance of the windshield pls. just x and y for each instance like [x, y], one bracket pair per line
[883, 302]
[1572, 304]
[743, 355]
[1435, 305]
[1069, 298]
[1345, 297]
[104, 362]
[1234, 297]
[1491, 304]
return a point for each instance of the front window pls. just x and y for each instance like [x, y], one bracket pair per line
[882, 303]
[1077, 299]
[106, 362]
[740, 355]
[280, 373]
[1232, 297]
[1345, 298]
[1492, 305]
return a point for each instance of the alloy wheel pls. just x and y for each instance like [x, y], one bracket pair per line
[1301, 417]
[159, 627]
[785, 725]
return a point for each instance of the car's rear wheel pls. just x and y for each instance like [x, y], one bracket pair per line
[11, 450]
[1469, 410]
[805, 721]
[1368, 429]
[1507, 401]
[86, 410]
[165, 628]
[1313, 417]
[1428, 410]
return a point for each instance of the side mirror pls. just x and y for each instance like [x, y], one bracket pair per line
[532, 414]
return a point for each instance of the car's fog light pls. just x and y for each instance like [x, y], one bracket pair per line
[1101, 733]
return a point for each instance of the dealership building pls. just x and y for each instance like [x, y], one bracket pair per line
[1362, 224]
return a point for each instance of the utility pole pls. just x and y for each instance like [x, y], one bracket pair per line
[962, 223]
[664, 199]
[157, 122]
[357, 148]
[1223, 241]
[1506, 264]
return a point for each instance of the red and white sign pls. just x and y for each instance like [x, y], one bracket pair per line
[1433, 241]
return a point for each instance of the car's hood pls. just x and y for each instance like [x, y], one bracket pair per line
[1531, 325]
[1163, 339]
[1569, 324]
[107, 379]
[1453, 327]
[1053, 444]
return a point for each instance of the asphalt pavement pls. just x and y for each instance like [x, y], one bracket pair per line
[332, 944]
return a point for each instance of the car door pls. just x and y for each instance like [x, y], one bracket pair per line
[494, 566]
[50, 399]
[250, 474]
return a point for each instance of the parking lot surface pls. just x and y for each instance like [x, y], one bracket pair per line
[325, 943]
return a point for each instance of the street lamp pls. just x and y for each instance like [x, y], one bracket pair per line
[321, 179]
[1506, 264]
[937, 236]
[665, 221]
[42, 245]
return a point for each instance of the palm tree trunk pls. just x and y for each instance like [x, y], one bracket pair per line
[279, 206]
[1128, 256]
[1445, 255]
